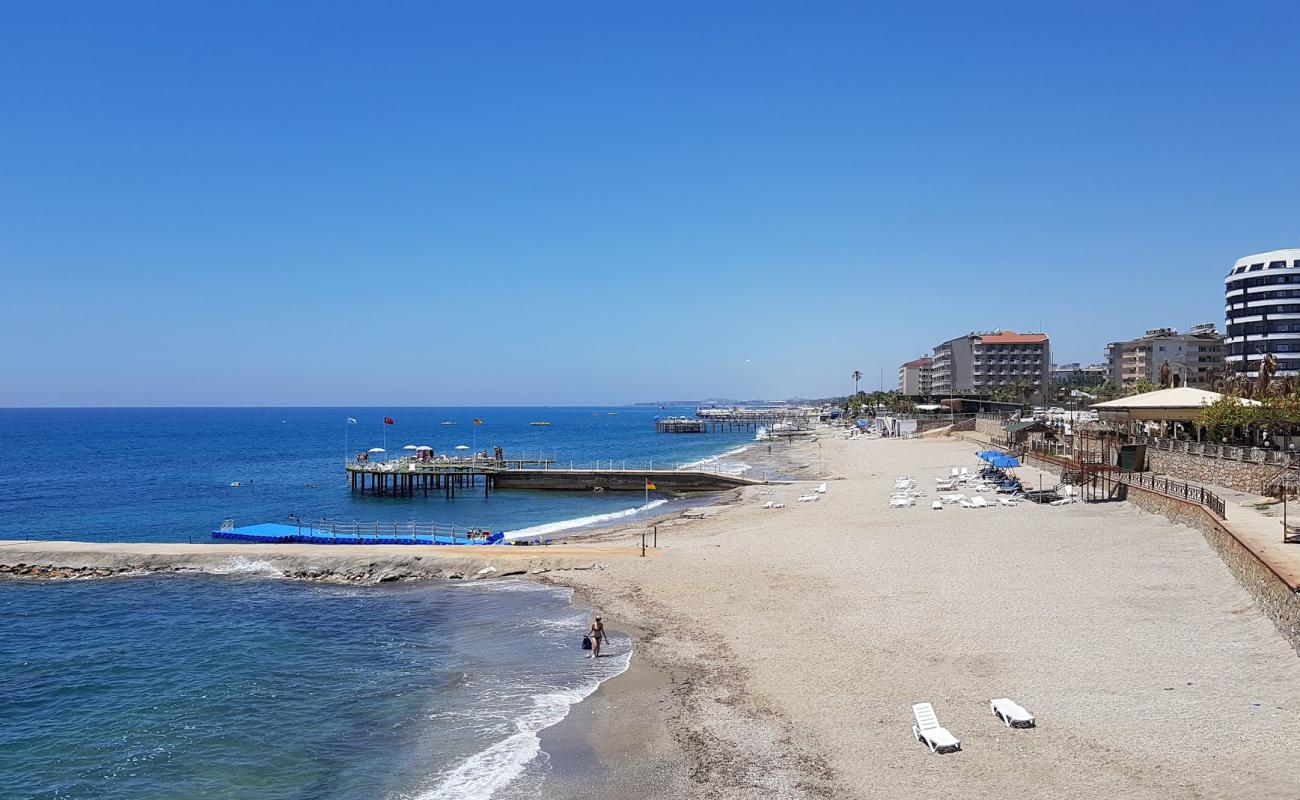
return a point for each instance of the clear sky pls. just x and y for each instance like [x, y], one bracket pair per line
[550, 203]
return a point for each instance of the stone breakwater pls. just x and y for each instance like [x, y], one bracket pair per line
[366, 564]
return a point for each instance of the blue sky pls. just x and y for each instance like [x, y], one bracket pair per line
[551, 203]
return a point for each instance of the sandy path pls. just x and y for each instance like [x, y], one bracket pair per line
[798, 639]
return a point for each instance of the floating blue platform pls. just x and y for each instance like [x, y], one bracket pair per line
[280, 533]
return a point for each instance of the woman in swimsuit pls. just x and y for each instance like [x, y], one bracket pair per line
[597, 635]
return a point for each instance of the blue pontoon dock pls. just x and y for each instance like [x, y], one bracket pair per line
[355, 533]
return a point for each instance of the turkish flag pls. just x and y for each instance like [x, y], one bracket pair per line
[389, 421]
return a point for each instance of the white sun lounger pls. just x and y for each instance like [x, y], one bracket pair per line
[901, 502]
[820, 489]
[964, 503]
[1064, 501]
[937, 505]
[952, 498]
[1011, 502]
[1011, 713]
[929, 733]
[809, 498]
[772, 504]
[979, 502]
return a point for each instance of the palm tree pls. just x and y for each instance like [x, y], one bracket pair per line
[857, 376]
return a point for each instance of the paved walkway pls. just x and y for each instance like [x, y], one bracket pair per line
[1257, 523]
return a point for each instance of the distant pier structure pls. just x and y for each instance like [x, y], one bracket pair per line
[681, 425]
[748, 418]
[410, 477]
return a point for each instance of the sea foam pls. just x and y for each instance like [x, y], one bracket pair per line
[580, 522]
[481, 775]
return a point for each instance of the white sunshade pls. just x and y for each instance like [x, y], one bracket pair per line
[376, 450]
[1181, 397]
[462, 447]
[424, 447]
[409, 447]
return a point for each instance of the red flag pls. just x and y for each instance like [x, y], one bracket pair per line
[389, 421]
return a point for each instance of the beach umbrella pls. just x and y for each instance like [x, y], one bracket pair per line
[409, 447]
[424, 447]
[462, 447]
[376, 450]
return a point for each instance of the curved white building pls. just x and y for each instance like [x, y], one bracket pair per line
[1263, 310]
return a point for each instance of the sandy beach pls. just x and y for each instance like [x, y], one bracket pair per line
[784, 648]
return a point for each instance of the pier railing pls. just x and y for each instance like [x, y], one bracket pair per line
[355, 532]
[707, 466]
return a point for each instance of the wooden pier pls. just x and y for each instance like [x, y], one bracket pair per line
[409, 478]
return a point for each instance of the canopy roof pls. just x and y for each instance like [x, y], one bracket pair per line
[1181, 403]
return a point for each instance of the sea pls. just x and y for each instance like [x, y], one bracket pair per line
[248, 685]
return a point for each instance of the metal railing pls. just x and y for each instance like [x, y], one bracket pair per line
[386, 532]
[1251, 455]
[1187, 491]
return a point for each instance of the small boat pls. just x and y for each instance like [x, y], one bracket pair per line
[540, 424]
[611, 413]
[447, 423]
[236, 485]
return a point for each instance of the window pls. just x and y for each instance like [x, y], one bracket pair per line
[1255, 268]
[1277, 265]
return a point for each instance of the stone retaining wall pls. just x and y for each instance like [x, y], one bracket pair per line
[1277, 600]
[991, 428]
[1240, 475]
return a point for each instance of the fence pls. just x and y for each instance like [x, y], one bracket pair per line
[1252, 455]
[1187, 491]
[1060, 458]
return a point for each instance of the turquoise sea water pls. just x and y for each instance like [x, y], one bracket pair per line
[165, 474]
[246, 685]
[251, 687]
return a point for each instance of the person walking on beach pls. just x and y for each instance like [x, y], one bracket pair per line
[597, 636]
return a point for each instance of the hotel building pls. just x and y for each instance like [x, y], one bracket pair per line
[1262, 306]
[914, 377]
[984, 362]
[1190, 356]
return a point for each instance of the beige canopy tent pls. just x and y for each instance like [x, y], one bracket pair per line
[1171, 408]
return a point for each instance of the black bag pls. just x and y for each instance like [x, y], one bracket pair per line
[586, 643]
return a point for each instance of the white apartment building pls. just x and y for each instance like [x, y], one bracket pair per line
[1262, 308]
[914, 377]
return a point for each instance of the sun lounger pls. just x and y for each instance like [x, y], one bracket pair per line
[809, 498]
[937, 505]
[979, 502]
[1011, 713]
[929, 733]
[964, 503]
[901, 502]
[771, 504]
[1064, 501]
[952, 498]
[820, 489]
[1009, 501]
